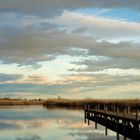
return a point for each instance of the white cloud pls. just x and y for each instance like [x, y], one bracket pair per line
[98, 27]
[53, 7]
[119, 72]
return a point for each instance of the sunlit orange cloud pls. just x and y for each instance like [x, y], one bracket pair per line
[77, 78]
[80, 78]
[32, 79]
[40, 79]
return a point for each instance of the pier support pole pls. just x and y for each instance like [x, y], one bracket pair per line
[95, 125]
[114, 108]
[118, 137]
[85, 113]
[105, 108]
[137, 113]
[85, 120]
[137, 118]
[106, 132]
[98, 107]
[88, 122]
[124, 111]
[117, 111]
[125, 138]
[128, 110]
[95, 107]
[88, 114]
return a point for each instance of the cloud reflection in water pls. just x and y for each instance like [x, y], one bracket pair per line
[42, 124]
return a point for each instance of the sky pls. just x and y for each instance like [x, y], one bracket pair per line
[70, 49]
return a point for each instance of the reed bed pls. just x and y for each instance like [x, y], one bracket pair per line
[133, 103]
[72, 103]
[12, 102]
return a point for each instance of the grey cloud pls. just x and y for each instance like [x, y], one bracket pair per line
[40, 45]
[9, 77]
[25, 50]
[47, 7]
[99, 27]
[120, 50]
[42, 7]
[105, 63]
[28, 46]
[32, 88]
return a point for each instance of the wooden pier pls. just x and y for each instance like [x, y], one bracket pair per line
[122, 121]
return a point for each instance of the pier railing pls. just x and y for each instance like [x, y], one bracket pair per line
[124, 121]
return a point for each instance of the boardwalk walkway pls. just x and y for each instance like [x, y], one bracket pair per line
[123, 123]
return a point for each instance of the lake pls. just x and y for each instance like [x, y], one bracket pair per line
[39, 123]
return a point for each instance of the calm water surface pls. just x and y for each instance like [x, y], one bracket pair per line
[38, 123]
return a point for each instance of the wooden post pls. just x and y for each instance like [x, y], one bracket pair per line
[117, 111]
[85, 113]
[128, 110]
[85, 106]
[124, 111]
[85, 120]
[88, 115]
[137, 113]
[95, 107]
[137, 118]
[95, 125]
[118, 137]
[114, 108]
[105, 108]
[88, 122]
[125, 138]
[106, 132]
[98, 107]
[88, 107]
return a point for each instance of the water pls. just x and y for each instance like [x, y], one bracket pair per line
[38, 123]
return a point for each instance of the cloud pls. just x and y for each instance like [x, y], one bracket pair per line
[96, 26]
[9, 77]
[102, 63]
[53, 7]
[39, 46]
[25, 40]
[80, 85]
[31, 88]
[99, 27]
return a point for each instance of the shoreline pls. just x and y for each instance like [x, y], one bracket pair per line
[69, 103]
[17, 102]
